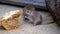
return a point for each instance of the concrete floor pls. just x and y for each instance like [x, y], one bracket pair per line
[27, 28]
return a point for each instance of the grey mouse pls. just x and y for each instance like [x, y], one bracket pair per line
[31, 16]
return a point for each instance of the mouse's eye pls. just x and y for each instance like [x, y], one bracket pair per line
[28, 11]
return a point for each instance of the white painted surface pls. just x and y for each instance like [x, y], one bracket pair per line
[27, 28]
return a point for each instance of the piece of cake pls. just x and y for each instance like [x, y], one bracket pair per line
[10, 20]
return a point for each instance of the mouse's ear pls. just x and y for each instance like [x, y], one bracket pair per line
[28, 7]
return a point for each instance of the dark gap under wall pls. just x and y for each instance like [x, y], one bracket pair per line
[39, 9]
